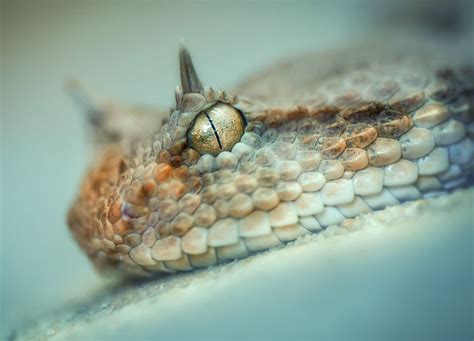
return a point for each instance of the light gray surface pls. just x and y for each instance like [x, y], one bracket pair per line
[128, 51]
[405, 272]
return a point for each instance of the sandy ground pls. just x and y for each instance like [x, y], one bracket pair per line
[404, 272]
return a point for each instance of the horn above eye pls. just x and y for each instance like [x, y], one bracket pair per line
[216, 129]
[189, 79]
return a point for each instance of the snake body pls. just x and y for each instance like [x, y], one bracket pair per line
[327, 137]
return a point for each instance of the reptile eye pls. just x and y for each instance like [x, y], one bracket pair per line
[216, 129]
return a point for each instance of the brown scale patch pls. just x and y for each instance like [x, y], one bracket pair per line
[168, 209]
[122, 227]
[323, 112]
[162, 229]
[333, 126]
[178, 189]
[190, 156]
[275, 117]
[115, 211]
[361, 111]
[163, 157]
[150, 187]
[177, 147]
[194, 184]
[135, 194]
[359, 135]
[297, 113]
[176, 161]
[394, 127]
[207, 179]
[370, 119]
[259, 115]
[181, 224]
[88, 216]
[162, 172]
[331, 147]
[387, 122]
[181, 173]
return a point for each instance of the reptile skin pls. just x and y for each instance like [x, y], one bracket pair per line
[327, 137]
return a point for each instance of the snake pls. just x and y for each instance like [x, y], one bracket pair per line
[314, 141]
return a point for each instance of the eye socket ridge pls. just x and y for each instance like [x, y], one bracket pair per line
[216, 129]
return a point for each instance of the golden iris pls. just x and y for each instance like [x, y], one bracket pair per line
[216, 129]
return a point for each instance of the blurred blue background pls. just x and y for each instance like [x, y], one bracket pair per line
[128, 50]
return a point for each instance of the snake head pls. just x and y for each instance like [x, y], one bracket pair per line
[148, 203]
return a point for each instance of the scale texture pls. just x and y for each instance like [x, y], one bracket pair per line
[328, 137]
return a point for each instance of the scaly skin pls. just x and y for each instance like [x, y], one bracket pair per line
[328, 137]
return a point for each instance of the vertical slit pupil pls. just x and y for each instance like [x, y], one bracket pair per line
[215, 130]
